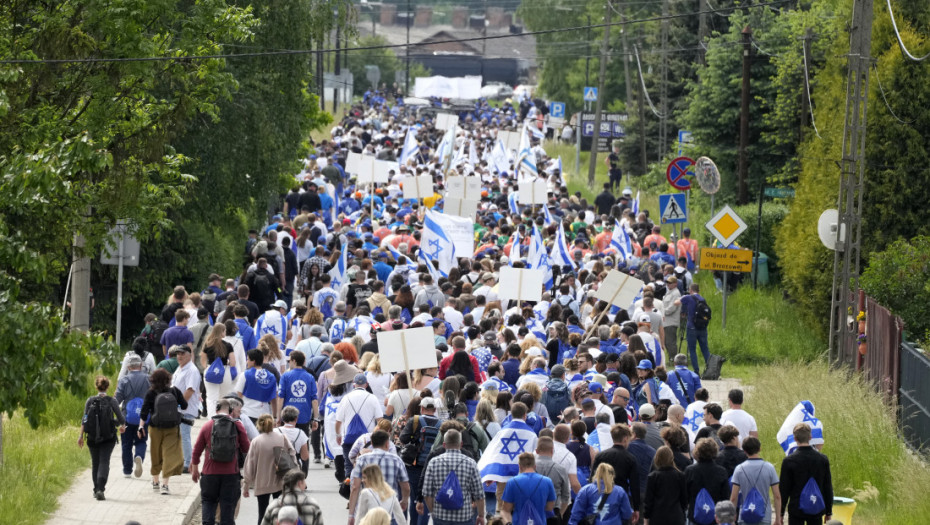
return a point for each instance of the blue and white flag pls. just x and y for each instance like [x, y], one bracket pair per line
[620, 241]
[534, 130]
[500, 157]
[272, 322]
[338, 273]
[514, 248]
[435, 245]
[526, 159]
[636, 205]
[694, 420]
[410, 146]
[547, 215]
[473, 154]
[412, 266]
[512, 202]
[331, 446]
[446, 147]
[499, 460]
[560, 255]
[802, 413]
[538, 258]
[600, 439]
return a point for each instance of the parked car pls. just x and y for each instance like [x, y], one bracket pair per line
[496, 91]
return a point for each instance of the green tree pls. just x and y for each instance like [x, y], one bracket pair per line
[897, 279]
[386, 60]
[86, 143]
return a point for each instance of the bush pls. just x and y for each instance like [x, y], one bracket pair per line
[897, 278]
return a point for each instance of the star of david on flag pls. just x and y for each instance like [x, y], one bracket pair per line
[803, 412]
[435, 245]
[499, 462]
[538, 258]
[620, 241]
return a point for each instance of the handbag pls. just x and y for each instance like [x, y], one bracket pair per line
[283, 462]
[591, 519]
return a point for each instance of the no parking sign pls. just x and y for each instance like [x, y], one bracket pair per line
[677, 169]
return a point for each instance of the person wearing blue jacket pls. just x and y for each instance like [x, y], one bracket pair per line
[683, 377]
[601, 497]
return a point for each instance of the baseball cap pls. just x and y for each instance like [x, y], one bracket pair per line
[644, 364]
[644, 318]
[427, 402]
[490, 336]
[280, 304]
[595, 388]
[628, 192]
[647, 410]
[360, 379]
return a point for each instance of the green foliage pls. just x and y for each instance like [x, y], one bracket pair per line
[897, 279]
[867, 460]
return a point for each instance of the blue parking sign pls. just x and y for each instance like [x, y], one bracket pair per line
[557, 109]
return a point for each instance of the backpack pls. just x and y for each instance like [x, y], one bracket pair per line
[261, 287]
[753, 509]
[154, 339]
[470, 442]
[682, 285]
[377, 311]
[417, 451]
[224, 439]
[704, 508]
[165, 410]
[529, 514]
[406, 316]
[556, 399]
[450, 493]
[100, 421]
[133, 411]
[326, 308]
[811, 502]
[702, 314]
[356, 428]
[215, 373]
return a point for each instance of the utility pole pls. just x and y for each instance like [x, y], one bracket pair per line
[80, 286]
[587, 58]
[595, 140]
[852, 186]
[743, 169]
[627, 59]
[407, 52]
[663, 88]
[642, 118]
[702, 29]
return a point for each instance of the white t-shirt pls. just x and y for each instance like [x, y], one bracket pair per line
[380, 385]
[740, 419]
[454, 317]
[399, 399]
[562, 456]
[295, 435]
[362, 403]
[188, 377]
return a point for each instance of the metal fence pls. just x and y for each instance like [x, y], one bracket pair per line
[914, 396]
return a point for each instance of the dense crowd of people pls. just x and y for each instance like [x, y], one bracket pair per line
[565, 410]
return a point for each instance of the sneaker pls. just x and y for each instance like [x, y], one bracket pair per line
[155, 485]
[165, 491]
[186, 470]
[328, 464]
[99, 495]
[127, 476]
[317, 460]
[137, 471]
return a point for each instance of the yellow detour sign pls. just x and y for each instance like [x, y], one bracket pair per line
[724, 260]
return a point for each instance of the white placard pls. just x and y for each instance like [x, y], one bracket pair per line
[619, 289]
[532, 192]
[382, 170]
[357, 163]
[460, 231]
[460, 208]
[417, 343]
[464, 188]
[513, 141]
[446, 121]
[519, 284]
[418, 187]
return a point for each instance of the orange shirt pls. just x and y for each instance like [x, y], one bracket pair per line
[688, 246]
[653, 238]
[602, 240]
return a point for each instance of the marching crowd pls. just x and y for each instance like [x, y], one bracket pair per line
[565, 410]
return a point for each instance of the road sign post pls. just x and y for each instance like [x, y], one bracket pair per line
[726, 227]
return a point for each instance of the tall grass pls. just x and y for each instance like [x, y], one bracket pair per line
[868, 461]
[40, 464]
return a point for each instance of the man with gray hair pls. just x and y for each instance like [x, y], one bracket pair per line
[684, 382]
[546, 466]
[445, 507]
[130, 391]
[725, 513]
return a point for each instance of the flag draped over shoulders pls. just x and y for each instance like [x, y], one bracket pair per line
[499, 461]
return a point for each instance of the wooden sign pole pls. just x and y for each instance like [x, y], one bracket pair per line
[372, 197]
[607, 309]
[403, 345]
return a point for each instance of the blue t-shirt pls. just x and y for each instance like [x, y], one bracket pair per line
[176, 335]
[298, 389]
[529, 486]
[511, 372]
[689, 302]
[246, 335]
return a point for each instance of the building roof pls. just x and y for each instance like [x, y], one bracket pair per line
[517, 46]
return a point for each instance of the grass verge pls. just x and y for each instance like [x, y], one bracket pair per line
[40, 464]
[868, 461]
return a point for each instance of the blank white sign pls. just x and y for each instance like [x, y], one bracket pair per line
[418, 187]
[619, 289]
[417, 343]
[519, 284]
[532, 192]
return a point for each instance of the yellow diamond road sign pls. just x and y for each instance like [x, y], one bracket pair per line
[726, 226]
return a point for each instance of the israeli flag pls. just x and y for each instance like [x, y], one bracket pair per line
[412, 266]
[447, 146]
[331, 446]
[499, 461]
[600, 439]
[460, 156]
[620, 240]
[473, 154]
[534, 130]
[526, 159]
[272, 322]
[512, 202]
[500, 157]
[636, 205]
[514, 248]
[435, 245]
[338, 273]
[410, 146]
[694, 420]
[560, 255]
[538, 258]
[547, 215]
[802, 413]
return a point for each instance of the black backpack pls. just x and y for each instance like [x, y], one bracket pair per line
[224, 439]
[263, 287]
[682, 277]
[702, 314]
[165, 411]
[416, 452]
[154, 339]
[100, 421]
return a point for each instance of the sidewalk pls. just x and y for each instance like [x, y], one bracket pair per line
[127, 499]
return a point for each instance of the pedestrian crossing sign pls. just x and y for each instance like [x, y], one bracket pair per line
[590, 94]
[674, 208]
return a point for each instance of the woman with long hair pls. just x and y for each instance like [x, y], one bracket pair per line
[557, 345]
[348, 350]
[666, 498]
[164, 430]
[461, 366]
[502, 406]
[218, 362]
[646, 390]
[259, 470]
[426, 378]
[469, 396]
[271, 350]
[400, 421]
[309, 275]
[294, 493]
[608, 502]
[399, 397]
[584, 453]
[484, 416]
[232, 329]
[378, 381]
[405, 299]
[449, 394]
[377, 494]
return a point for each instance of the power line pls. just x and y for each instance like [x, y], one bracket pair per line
[807, 86]
[901, 41]
[643, 83]
[364, 48]
[887, 105]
